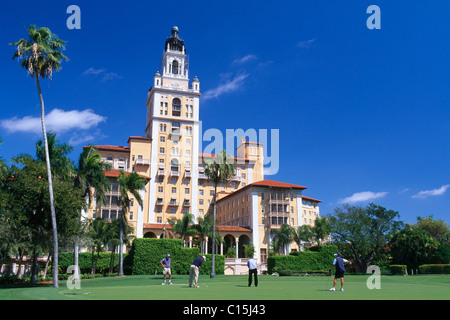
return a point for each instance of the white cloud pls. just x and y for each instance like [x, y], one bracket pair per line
[57, 120]
[363, 196]
[227, 87]
[434, 192]
[104, 76]
[245, 59]
[306, 43]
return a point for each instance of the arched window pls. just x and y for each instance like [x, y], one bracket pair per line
[176, 107]
[175, 67]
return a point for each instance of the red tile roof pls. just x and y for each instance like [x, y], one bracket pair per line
[159, 226]
[311, 199]
[276, 184]
[113, 148]
[114, 173]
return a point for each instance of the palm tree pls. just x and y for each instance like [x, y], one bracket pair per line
[128, 184]
[303, 234]
[184, 226]
[284, 237]
[58, 155]
[99, 231]
[321, 229]
[40, 55]
[89, 177]
[204, 229]
[219, 170]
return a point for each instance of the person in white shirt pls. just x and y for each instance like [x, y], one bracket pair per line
[252, 270]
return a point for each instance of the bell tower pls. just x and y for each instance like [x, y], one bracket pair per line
[173, 125]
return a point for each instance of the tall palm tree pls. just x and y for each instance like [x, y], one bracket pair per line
[218, 170]
[90, 176]
[40, 55]
[129, 184]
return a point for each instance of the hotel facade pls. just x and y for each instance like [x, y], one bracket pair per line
[169, 157]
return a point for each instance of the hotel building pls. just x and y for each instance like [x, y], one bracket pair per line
[169, 157]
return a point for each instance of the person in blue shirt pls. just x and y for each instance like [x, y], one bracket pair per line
[252, 270]
[339, 263]
[195, 270]
[166, 268]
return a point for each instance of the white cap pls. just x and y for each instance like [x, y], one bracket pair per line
[204, 258]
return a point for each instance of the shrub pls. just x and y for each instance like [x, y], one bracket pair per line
[65, 259]
[398, 269]
[303, 261]
[146, 254]
[434, 268]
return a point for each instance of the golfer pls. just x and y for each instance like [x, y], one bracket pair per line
[195, 270]
[252, 270]
[339, 263]
[166, 268]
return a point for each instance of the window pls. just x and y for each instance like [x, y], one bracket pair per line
[162, 150]
[162, 139]
[174, 190]
[176, 108]
[200, 212]
[175, 67]
[160, 189]
[200, 192]
[186, 191]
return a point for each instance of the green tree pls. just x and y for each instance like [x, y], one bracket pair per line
[303, 234]
[91, 180]
[365, 231]
[219, 170]
[184, 226]
[412, 246]
[282, 238]
[41, 55]
[321, 229]
[129, 184]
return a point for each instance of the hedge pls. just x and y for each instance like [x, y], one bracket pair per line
[303, 261]
[434, 269]
[398, 269]
[146, 254]
[65, 259]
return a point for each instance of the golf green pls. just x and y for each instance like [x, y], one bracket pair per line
[425, 287]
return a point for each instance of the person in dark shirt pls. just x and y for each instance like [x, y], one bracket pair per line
[195, 270]
[339, 263]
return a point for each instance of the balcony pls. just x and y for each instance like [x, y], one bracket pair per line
[159, 202]
[236, 178]
[187, 173]
[145, 162]
[186, 203]
[175, 133]
[174, 173]
[173, 202]
[161, 172]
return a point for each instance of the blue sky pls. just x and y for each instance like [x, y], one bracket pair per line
[363, 114]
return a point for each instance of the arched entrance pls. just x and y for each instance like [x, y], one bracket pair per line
[243, 240]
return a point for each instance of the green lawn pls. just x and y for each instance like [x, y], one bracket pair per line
[434, 287]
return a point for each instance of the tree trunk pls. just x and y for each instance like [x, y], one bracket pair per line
[50, 189]
[213, 250]
[34, 268]
[121, 244]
